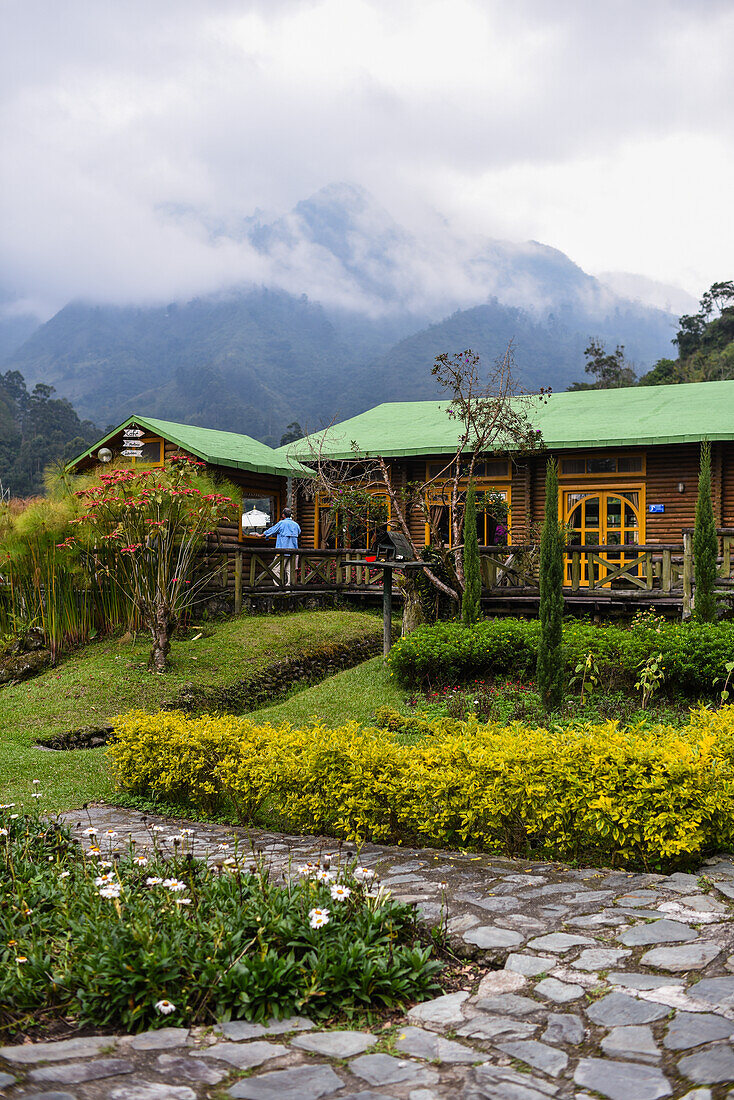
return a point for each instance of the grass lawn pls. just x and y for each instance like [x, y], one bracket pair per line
[109, 677]
[354, 694]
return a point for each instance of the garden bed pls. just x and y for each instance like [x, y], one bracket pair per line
[108, 941]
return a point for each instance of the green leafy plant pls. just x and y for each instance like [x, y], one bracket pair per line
[136, 941]
[471, 608]
[550, 674]
[587, 675]
[652, 674]
[724, 693]
[705, 544]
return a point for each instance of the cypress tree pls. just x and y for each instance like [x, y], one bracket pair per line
[705, 544]
[550, 663]
[471, 607]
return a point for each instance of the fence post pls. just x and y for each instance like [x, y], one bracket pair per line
[666, 582]
[386, 609]
[687, 576]
[238, 582]
[648, 569]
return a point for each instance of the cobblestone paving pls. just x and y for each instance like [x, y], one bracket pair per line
[606, 984]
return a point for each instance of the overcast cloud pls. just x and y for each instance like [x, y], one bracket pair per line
[604, 129]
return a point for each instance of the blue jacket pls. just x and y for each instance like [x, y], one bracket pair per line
[286, 532]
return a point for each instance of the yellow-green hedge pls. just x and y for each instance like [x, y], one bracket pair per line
[649, 797]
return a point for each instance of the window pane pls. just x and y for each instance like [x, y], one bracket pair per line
[573, 466]
[601, 465]
[151, 452]
[257, 514]
[631, 464]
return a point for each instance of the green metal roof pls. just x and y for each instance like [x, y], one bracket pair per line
[640, 415]
[240, 452]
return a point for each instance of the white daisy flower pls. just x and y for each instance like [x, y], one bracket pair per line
[174, 884]
[110, 891]
[36, 794]
[183, 901]
[141, 861]
[187, 832]
[222, 847]
[307, 869]
[3, 832]
[7, 805]
[153, 880]
[340, 893]
[110, 834]
[103, 880]
[362, 874]
[318, 917]
[91, 831]
[64, 874]
[325, 876]
[36, 781]
[158, 828]
[103, 863]
[164, 1007]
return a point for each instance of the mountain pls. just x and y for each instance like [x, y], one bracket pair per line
[382, 303]
[649, 292]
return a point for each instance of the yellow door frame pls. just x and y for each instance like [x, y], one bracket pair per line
[603, 492]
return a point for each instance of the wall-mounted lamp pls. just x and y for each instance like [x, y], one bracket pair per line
[681, 486]
[104, 454]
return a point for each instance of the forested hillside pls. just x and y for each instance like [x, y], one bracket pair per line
[36, 429]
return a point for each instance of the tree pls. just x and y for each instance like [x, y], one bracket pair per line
[471, 607]
[705, 544]
[610, 369]
[146, 530]
[293, 432]
[492, 415]
[550, 660]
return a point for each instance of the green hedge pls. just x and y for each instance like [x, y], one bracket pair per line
[643, 796]
[694, 654]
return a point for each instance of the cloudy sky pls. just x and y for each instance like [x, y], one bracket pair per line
[602, 128]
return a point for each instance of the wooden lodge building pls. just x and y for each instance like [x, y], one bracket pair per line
[628, 469]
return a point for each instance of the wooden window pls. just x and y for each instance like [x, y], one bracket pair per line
[258, 512]
[596, 465]
[335, 531]
[153, 452]
[491, 531]
[495, 468]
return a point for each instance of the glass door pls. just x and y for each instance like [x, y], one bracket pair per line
[602, 517]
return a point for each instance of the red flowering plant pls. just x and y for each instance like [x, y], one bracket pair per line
[147, 530]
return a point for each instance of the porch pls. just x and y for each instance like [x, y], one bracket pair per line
[613, 576]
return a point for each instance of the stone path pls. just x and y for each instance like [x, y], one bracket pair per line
[606, 984]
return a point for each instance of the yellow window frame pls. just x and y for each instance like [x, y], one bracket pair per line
[321, 501]
[275, 496]
[495, 486]
[145, 462]
[586, 455]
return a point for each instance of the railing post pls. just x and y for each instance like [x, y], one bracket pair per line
[687, 576]
[575, 571]
[590, 571]
[238, 582]
[648, 568]
[726, 564]
[386, 610]
[667, 580]
[253, 569]
[338, 573]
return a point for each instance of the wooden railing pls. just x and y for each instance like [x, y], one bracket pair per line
[665, 569]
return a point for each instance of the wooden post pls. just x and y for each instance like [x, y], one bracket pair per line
[386, 609]
[575, 571]
[648, 568]
[687, 576]
[238, 582]
[667, 573]
[726, 564]
[590, 571]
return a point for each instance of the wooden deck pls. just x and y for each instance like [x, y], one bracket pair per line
[611, 578]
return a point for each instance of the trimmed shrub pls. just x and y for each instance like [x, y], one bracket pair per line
[471, 599]
[652, 797]
[694, 654]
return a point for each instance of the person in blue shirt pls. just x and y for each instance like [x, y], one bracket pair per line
[286, 533]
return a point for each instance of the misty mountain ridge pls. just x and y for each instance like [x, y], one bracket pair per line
[351, 310]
